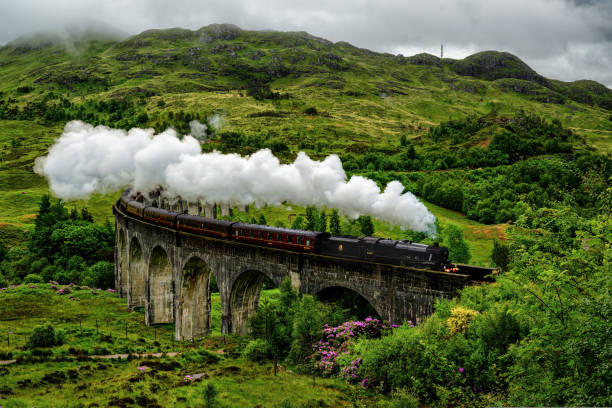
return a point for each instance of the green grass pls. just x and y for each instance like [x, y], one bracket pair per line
[65, 380]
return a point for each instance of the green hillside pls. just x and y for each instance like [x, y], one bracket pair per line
[291, 91]
[513, 164]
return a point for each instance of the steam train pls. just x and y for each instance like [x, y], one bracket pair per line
[404, 252]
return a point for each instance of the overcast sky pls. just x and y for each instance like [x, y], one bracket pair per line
[561, 39]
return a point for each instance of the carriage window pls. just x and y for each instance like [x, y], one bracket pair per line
[251, 233]
[300, 240]
[270, 236]
[279, 237]
[308, 242]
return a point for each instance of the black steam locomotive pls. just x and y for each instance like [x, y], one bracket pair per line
[405, 253]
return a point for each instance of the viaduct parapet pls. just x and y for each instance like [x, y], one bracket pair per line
[168, 273]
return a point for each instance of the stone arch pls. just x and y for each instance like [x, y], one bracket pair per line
[122, 264]
[160, 288]
[363, 304]
[136, 275]
[193, 310]
[244, 299]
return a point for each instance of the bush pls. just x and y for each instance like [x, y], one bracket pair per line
[62, 277]
[311, 111]
[458, 249]
[49, 272]
[38, 266]
[100, 275]
[210, 395]
[400, 399]
[44, 336]
[33, 278]
[3, 282]
[257, 350]
[460, 319]
[500, 254]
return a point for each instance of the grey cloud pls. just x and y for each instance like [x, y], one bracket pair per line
[563, 39]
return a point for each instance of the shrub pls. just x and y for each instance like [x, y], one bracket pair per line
[257, 350]
[48, 273]
[400, 399]
[44, 336]
[62, 277]
[210, 395]
[311, 111]
[33, 278]
[500, 254]
[460, 319]
[458, 249]
[38, 266]
[3, 282]
[100, 275]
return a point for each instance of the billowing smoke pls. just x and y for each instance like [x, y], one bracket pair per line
[87, 159]
[216, 121]
[198, 130]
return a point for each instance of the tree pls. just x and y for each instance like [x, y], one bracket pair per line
[100, 275]
[458, 249]
[367, 227]
[86, 215]
[334, 223]
[500, 254]
[307, 327]
[298, 223]
[322, 222]
[311, 218]
[44, 336]
[262, 220]
[3, 251]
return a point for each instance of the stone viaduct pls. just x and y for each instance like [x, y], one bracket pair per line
[168, 273]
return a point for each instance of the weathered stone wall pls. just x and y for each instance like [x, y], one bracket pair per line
[169, 273]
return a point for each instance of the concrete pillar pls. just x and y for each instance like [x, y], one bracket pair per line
[194, 208]
[226, 209]
[210, 210]
[226, 324]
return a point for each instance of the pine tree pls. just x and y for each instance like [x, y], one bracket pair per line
[334, 223]
[298, 223]
[322, 222]
[311, 218]
[367, 227]
[86, 215]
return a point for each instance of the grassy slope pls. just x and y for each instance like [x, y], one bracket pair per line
[240, 383]
[365, 99]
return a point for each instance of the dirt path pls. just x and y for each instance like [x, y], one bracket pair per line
[113, 356]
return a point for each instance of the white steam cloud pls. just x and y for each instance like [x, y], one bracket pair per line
[198, 130]
[87, 159]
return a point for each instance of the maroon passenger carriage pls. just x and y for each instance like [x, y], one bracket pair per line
[204, 226]
[294, 240]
